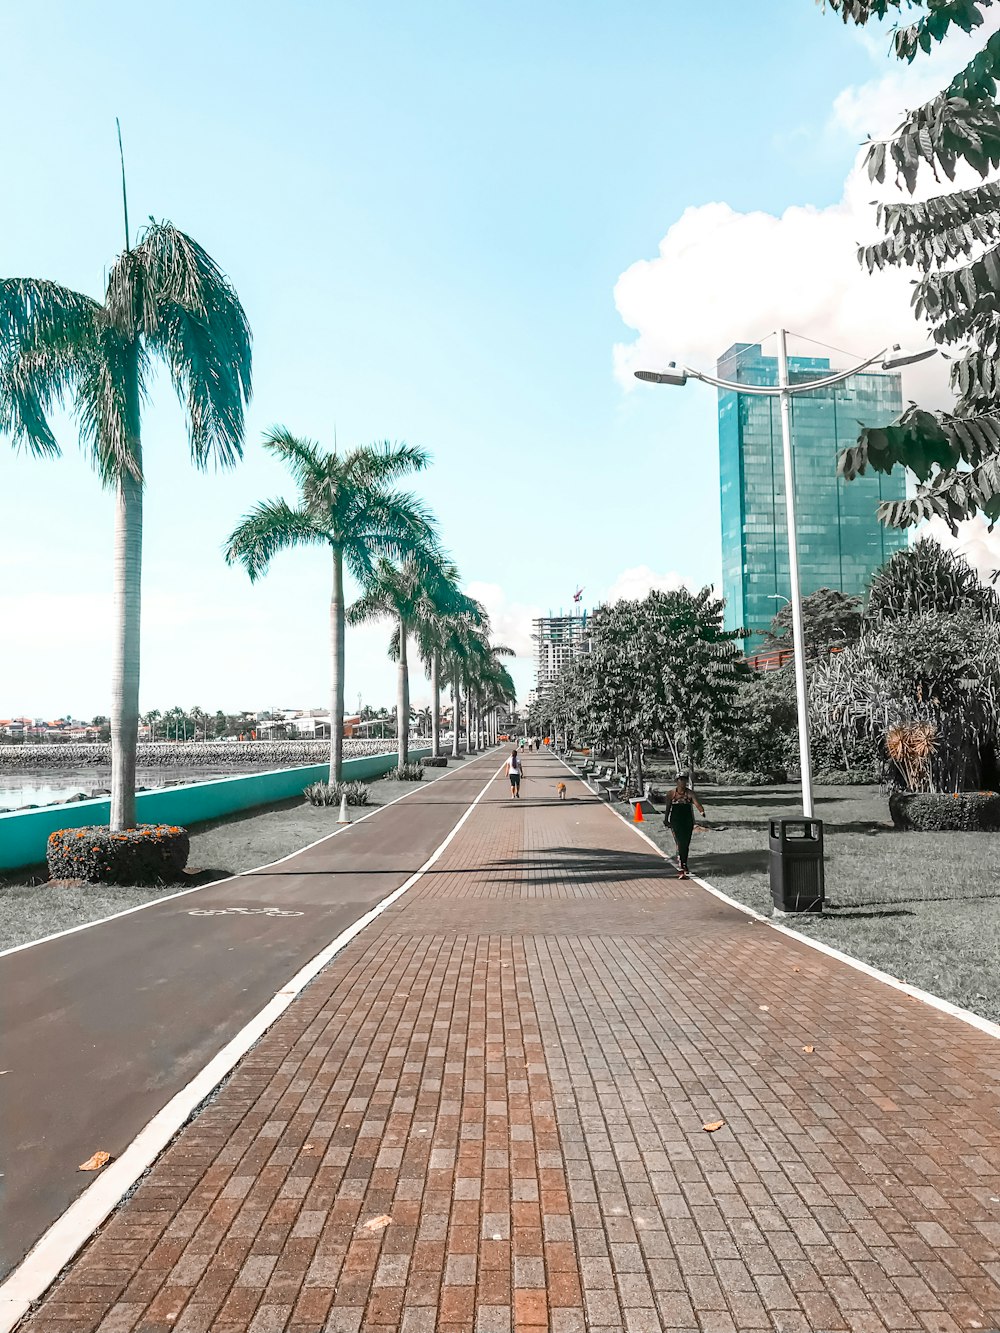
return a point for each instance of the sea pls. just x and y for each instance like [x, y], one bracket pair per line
[25, 787]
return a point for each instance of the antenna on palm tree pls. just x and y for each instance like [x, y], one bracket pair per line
[121, 155]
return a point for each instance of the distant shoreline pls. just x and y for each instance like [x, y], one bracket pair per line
[170, 754]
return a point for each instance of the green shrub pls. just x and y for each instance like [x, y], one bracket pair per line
[407, 773]
[331, 793]
[936, 812]
[857, 777]
[436, 761]
[148, 854]
[742, 779]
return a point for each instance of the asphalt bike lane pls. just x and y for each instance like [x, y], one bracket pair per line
[103, 1026]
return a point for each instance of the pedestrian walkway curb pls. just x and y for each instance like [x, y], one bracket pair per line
[43, 1264]
[915, 992]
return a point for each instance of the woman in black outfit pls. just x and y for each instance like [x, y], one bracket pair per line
[680, 820]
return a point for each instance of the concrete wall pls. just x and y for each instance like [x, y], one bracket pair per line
[24, 834]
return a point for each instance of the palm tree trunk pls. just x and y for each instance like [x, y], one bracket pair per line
[337, 668]
[402, 697]
[436, 703]
[456, 695]
[125, 661]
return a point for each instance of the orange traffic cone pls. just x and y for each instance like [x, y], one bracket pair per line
[637, 818]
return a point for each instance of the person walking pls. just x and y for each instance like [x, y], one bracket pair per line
[514, 773]
[679, 819]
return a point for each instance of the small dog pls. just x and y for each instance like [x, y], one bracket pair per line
[561, 789]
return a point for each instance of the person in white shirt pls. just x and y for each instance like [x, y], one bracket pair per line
[514, 773]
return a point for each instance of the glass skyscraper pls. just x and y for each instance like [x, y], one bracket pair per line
[841, 542]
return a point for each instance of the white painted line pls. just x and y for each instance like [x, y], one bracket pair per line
[228, 879]
[39, 1269]
[935, 1001]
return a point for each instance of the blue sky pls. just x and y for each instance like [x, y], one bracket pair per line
[426, 210]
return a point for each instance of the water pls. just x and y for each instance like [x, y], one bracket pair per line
[44, 787]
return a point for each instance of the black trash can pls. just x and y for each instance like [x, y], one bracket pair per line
[797, 865]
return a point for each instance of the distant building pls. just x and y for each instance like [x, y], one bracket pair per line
[840, 540]
[558, 639]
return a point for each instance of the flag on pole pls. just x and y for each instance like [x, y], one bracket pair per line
[578, 594]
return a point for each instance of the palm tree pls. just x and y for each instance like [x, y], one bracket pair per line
[442, 600]
[454, 636]
[167, 300]
[484, 677]
[346, 504]
[399, 590]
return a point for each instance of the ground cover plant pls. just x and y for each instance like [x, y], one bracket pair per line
[922, 906]
[332, 793]
[31, 907]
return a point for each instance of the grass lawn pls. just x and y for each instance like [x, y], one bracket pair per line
[924, 907]
[31, 908]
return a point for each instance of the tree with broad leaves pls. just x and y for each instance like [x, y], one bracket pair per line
[954, 240]
[660, 668]
[830, 619]
[346, 504]
[165, 300]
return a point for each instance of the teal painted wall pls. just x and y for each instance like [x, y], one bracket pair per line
[24, 834]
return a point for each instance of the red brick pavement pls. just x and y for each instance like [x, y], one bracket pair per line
[515, 1063]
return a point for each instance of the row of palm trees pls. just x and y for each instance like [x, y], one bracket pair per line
[386, 539]
[166, 300]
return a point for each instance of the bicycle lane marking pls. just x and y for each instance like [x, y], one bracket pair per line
[228, 879]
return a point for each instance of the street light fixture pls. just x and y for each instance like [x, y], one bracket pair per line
[889, 358]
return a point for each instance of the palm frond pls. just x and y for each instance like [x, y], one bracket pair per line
[110, 392]
[375, 603]
[302, 456]
[33, 310]
[208, 357]
[376, 465]
[31, 385]
[46, 335]
[169, 291]
[394, 523]
[270, 527]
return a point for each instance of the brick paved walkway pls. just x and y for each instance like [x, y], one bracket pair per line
[515, 1063]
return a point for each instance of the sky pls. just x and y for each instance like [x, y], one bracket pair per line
[456, 224]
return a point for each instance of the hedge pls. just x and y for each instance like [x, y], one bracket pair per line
[858, 777]
[936, 812]
[147, 854]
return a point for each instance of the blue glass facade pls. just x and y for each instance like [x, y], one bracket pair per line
[841, 542]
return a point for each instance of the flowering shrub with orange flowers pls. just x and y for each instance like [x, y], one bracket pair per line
[148, 854]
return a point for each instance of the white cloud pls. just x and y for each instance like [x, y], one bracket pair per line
[634, 584]
[974, 541]
[723, 276]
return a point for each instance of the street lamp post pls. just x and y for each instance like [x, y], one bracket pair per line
[891, 358]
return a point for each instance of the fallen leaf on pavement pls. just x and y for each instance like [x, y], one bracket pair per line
[808, 1049]
[95, 1163]
[712, 1126]
[378, 1223]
